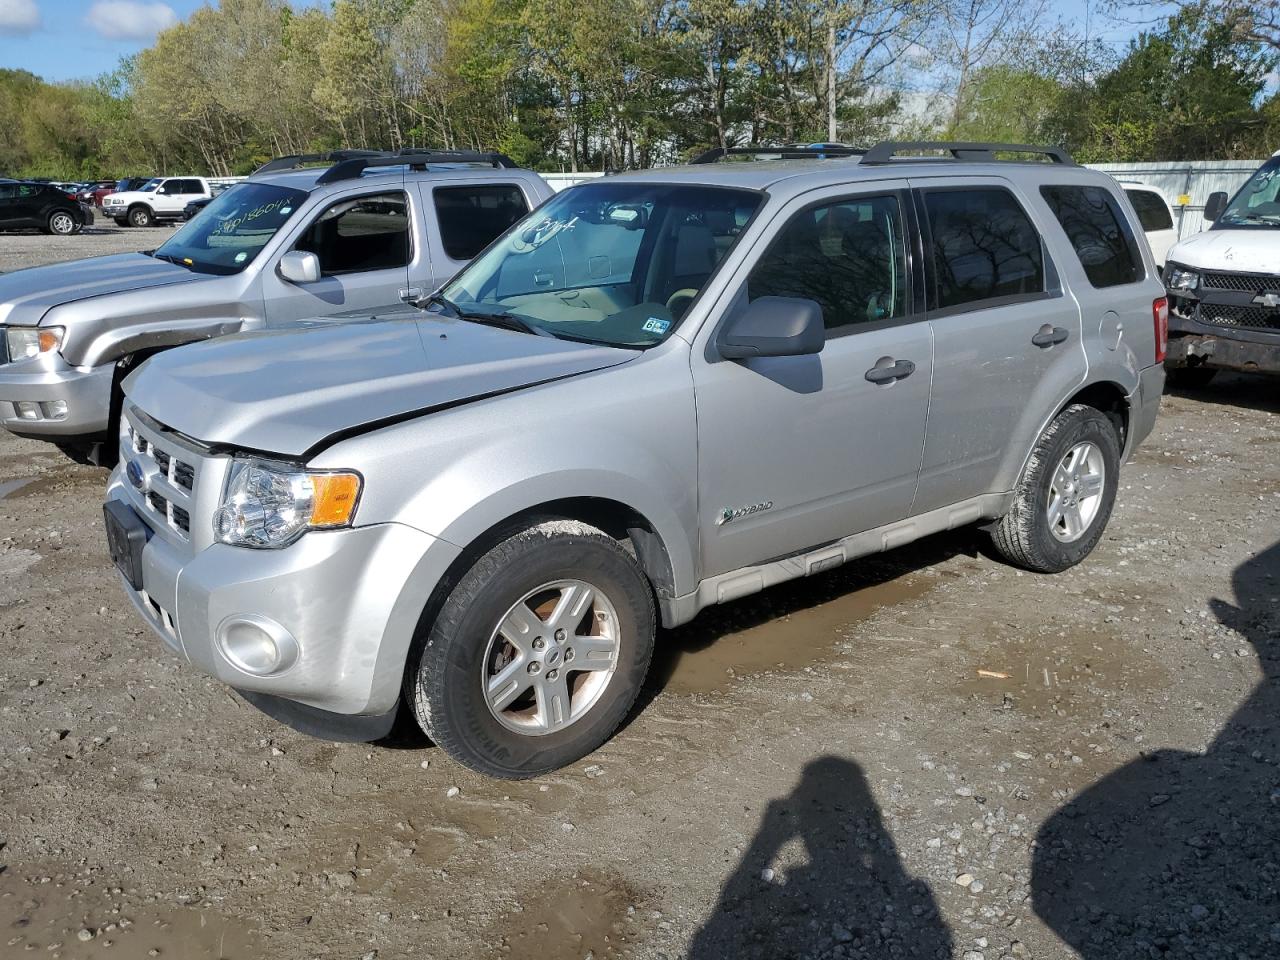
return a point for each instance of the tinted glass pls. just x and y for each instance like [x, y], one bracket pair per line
[1098, 232]
[1153, 212]
[608, 262]
[984, 246]
[192, 186]
[470, 217]
[847, 256]
[359, 235]
[228, 234]
[8, 191]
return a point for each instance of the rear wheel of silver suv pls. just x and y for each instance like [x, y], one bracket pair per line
[538, 652]
[1064, 497]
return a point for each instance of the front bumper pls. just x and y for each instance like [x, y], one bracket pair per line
[44, 381]
[1224, 353]
[1226, 324]
[351, 599]
[1144, 405]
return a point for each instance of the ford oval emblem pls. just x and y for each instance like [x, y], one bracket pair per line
[134, 473]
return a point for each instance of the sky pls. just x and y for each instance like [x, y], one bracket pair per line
[80, 39]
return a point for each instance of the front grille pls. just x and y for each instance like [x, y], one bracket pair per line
[170, 487]
[1236, 315]
[184, 475]
[1245, 282]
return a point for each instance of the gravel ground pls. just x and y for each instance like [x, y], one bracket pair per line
[29, 248]
[925, 754]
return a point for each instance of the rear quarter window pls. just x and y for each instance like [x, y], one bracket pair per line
[1099, 233]
[1153, 212]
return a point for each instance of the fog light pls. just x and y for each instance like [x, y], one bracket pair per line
[55, 409]
[257, 645]
[28, 409]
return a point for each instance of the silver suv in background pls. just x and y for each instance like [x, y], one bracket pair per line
[293, 243]
[659, 391]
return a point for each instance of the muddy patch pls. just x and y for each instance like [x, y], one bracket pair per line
[589, 914]
[53, 916]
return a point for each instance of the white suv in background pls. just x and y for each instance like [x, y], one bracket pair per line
[1156, 217]
[164, 198]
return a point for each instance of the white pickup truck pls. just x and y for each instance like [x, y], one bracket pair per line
[163, 198]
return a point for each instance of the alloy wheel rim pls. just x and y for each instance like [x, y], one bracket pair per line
[551, 657]
[1075, 492]
[62, 223]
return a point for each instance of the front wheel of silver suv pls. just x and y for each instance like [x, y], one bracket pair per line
[537, 654]
[1065, 494]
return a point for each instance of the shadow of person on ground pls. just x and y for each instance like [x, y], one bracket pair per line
[1177, 855]
[851, 897]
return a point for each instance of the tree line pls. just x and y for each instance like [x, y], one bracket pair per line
[615, 84]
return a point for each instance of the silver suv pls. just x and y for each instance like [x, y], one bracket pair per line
[659, 391]
[293, 243]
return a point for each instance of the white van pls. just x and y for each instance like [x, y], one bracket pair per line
[1224, 285]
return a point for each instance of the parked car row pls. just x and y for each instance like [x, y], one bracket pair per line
[41, 206]
[454, 446]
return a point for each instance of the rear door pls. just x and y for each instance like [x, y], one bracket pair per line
[365, 243]
[462, 217]
[9, 205]
[832, 451]
[1007, 336]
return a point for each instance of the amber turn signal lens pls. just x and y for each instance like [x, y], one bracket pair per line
[50, 339]
[335, 498]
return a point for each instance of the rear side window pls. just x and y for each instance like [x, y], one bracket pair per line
[360, 234]
[984, 247]
[848, 256]
[1153, 212]
[1098, 232]
[471, 217]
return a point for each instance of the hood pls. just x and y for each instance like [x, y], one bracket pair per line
[27, 295]
[1247, 251]
[285, 392]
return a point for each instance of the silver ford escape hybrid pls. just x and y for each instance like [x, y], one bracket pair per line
[656, 392]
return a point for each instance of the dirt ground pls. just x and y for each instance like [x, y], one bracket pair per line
[924, 754]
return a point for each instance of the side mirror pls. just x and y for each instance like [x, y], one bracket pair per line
[1214, 206]
[773, 327]
[299, 266]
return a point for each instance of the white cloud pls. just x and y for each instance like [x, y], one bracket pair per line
[19, 17]
[129, 19]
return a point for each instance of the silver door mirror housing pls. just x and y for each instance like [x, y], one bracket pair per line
[299, 266]
[773, 327]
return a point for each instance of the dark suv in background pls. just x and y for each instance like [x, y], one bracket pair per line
[25, 203]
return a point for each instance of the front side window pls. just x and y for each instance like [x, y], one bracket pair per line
[1153, 212]
[608, 262]
[1098, 233]
[360, 235]
[848, 256]
[984, 247]
[8, 191]
[1258, 202]
[470, 217]
[230, 232]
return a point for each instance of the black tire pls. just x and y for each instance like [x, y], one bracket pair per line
[1189, 378]
[121, 221]
[141, 216]
[61, 223]
[1023, 536]
[444, 676]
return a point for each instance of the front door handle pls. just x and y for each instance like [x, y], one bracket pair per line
[889, 370]
[1048, 336]
[411, 295]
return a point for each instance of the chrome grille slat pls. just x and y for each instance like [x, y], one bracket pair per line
[172, 477]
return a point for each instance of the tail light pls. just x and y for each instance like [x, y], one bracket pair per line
[1160, 317]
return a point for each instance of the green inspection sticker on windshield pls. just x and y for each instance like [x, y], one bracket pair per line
[656, 325]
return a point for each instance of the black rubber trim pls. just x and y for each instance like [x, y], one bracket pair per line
[323, 724]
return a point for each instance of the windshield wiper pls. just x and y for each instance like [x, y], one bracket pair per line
[164, 256]
[506, 321]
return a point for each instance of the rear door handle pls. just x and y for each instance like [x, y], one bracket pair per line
[888, 370]
[1048, 336]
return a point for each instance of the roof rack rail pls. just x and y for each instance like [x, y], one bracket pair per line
[965, 151]
[349, 164]
[789, 151]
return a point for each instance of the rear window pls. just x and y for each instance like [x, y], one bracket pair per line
[984, 247]
[470, 217]
[1153, 212]
[1098, 232]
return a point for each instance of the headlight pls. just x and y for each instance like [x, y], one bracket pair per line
[1183, 281]
[28, 342]
[268, 504]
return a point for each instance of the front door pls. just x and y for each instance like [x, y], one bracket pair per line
[796, 452]
[365, 244]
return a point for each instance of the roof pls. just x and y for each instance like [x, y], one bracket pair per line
[307, 177]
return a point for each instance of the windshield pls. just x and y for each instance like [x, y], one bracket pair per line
[149, 186]
[1258, 201]
[226, 235]
[610, 262]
